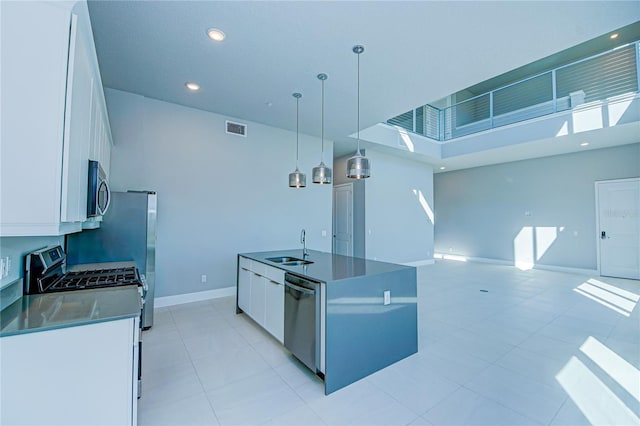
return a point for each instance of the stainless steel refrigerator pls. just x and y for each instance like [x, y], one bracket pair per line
[127, 233]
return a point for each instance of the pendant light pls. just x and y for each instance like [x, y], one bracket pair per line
[322, 173]
[358, 166]
[297, 179]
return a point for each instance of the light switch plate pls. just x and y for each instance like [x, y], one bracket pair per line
[387, 297]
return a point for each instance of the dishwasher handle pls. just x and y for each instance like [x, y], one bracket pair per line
[300, 289]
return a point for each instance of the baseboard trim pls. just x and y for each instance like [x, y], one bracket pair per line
[179, 299]
[420, 263]
[567, 269]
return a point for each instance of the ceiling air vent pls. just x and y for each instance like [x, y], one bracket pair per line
[236, 128]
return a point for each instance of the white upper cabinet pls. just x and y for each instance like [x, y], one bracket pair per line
[52, 99]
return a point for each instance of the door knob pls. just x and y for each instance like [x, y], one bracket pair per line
[603, 235]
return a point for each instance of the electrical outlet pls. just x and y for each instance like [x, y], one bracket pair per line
[203, 279]
[5, 267]
[324, 232]
[2, 267]
[387, 297]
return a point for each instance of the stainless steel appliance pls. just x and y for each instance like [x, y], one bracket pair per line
[98, 193]
[302, 319]
[45, 272]
[128, 232]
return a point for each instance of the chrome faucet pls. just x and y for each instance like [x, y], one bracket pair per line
[303, 240]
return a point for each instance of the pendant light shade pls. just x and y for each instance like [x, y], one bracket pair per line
[297, 179]
[321, 173]
[358, 166]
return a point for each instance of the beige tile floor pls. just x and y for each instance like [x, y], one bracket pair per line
[538, 347]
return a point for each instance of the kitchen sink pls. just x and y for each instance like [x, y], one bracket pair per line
[282, 259]
[289, 261]
[297, 262]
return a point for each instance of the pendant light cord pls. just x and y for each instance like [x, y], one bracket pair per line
[358, 121]
[322, 126]
[297, 131]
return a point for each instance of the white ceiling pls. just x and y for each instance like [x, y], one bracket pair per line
[415, 52]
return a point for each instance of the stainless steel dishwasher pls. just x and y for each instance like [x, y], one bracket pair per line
[302, 319]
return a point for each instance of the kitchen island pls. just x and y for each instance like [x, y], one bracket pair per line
[361, 330]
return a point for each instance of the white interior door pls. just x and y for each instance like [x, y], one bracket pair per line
[618, 209]
[343, 219]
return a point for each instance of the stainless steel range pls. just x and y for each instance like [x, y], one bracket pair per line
[45, 272]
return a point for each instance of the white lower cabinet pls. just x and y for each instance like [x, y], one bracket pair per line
[274, 311]
[261, 295]
[244, 288]
[79, 375]
[258, 297]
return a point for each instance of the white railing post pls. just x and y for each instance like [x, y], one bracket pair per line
[414, 120]
[554, 90]
[637, 49]
[491, 109]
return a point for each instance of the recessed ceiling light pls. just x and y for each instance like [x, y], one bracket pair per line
[215, 34]
[442, 167]
[194, 87]
[613, 36]
[584, 144]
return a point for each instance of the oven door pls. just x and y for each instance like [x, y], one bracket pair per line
[99, 195]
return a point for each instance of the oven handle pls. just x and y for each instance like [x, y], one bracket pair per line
[108, 192]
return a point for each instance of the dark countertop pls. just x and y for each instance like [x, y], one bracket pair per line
[327, 267]
[50, 311]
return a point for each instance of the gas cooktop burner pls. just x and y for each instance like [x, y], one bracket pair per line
[97, 278]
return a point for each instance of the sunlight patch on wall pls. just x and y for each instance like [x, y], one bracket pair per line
[564, 130]
[617, 108]
[406, 139]
[523, 249]
[532, 240]
[425, 206]
[545, 236]
[590, 118]
[612, 297]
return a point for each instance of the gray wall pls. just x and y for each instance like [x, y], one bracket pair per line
[218, 194]
[16, 248]
[399, 203]
[543, 208]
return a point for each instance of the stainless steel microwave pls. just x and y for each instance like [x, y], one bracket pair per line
[99, 195]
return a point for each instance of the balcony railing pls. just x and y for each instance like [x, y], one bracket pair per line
[599, 77]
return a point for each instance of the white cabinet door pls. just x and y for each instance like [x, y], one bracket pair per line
[35, 43]
[244, 289]
[80, 89]
[258, 296]
[274, 312]
[86, 372]
[51, 97]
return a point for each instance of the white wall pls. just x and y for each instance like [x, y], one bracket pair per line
[540, 210]
[218, 194]
[399, 209]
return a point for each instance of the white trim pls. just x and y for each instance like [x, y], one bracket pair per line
[420, 262]
[567, 269]
[178, 299]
